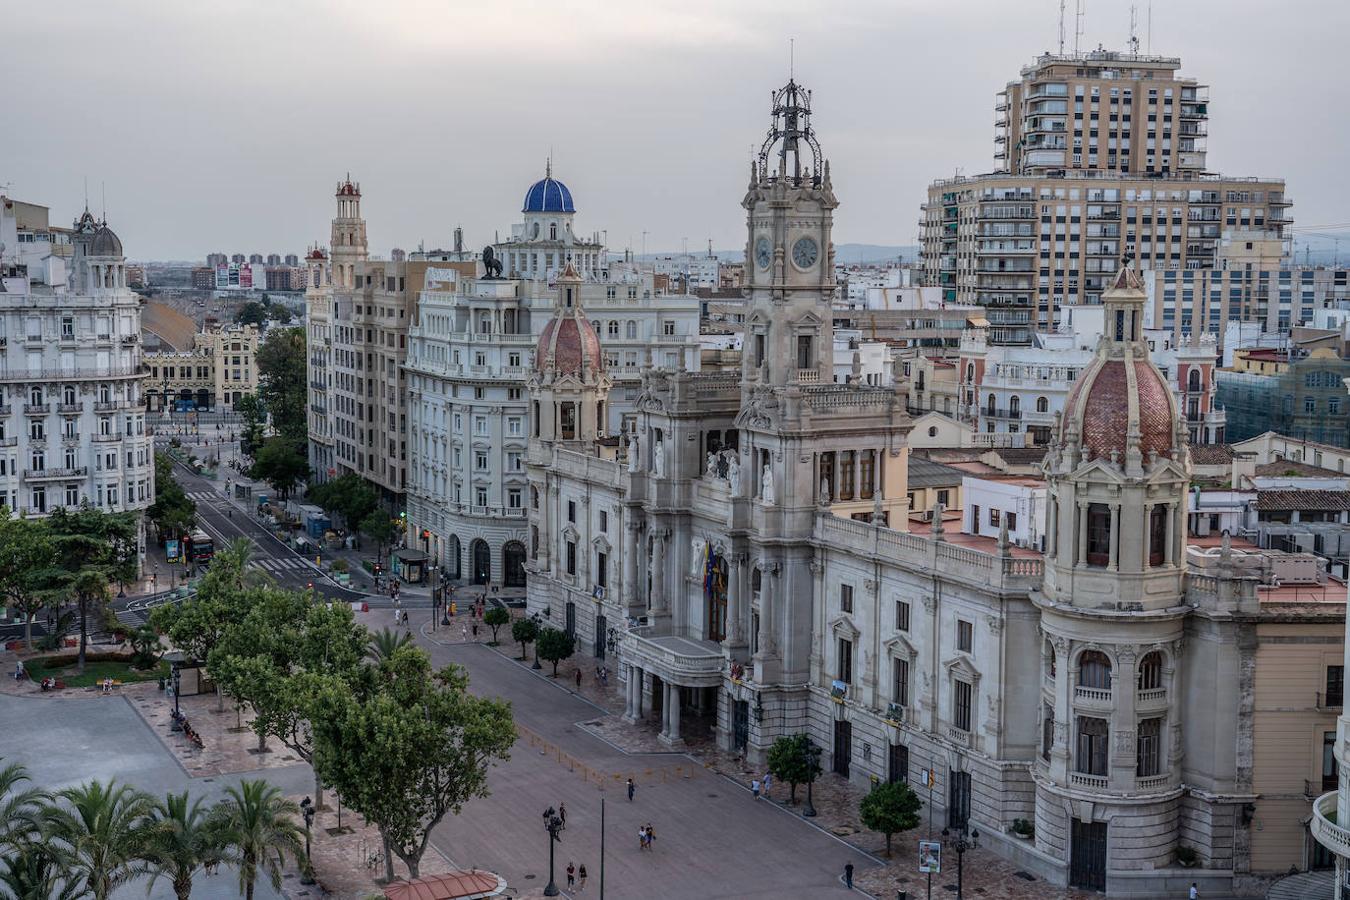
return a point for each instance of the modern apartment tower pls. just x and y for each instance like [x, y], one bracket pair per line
[1102, 159]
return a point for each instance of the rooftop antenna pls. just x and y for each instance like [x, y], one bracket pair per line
[86, 193]
[1150, 27]
[1077, 24]
[104, 186]
[1134, 29]
[792, 58]
[1061, 26]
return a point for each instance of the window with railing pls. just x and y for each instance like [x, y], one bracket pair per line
[1093, 734]
[961, 704]
[1094, 670]
[1150, 671]
[1335, 686]
[900, 682]
[1148, 756]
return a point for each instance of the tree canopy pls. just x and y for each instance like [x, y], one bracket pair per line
[405, 746]
[281, 463]
[793, 759]
[281, 363]
[93, 551]
[890, 807]
[173, 511]
[554, 645]
[27, 554]
[348, 496]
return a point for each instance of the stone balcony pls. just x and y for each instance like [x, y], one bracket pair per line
[1325, 830]
[677, 660]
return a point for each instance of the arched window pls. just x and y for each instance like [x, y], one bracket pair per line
[993, 405]
[1042, 405]
[1150, 671]
[68, 395]
[1015, 407]
[553, 231]
[613, 329]
[1094, 670]
[513, 564]
[1193, 380]
[970, 373]
[35, 396]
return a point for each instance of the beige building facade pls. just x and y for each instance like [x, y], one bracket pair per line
[220, 368]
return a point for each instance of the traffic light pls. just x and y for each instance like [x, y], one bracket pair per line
[426, 534]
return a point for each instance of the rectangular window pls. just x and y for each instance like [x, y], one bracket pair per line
[602, 569]
[513, 498]
[571, 510]
[1047, 730]
[571, 558]
[845, 661]
[1092, 737]
[1335, 685]
[846, 598]
[604, 522]
[1149, 756]
[901, 615]
[961, 704]
[900, 682]
[965, 636]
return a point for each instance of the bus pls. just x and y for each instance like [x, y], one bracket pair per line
[198, 547]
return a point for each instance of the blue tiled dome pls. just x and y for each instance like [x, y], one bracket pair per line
[548, 195]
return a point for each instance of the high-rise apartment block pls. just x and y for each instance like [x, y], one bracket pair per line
[1103, 160]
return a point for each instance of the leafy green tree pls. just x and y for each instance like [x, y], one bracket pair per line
[26, 552]
[173, 511]
[254, 418]
[101, 828]
[199, 623]
[145, 644]
[554, 645]
[180, 840]
[35, 870]
[792, 760]
[524, 631]
[251, 313]
[406, 746]
[348, 496]
[94, 550]
[890, 807]
[495, 618]
[21, 807]
[258, 830]
[379, 528]
[385, 643]
[281, 361]
[281, 463]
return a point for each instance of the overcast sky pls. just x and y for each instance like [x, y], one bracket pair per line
[225, 125]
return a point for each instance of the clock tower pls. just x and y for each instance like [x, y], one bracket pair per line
[789, 257]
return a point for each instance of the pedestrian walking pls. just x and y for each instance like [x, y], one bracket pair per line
[571, 875]
[631, 788]
[581, 878]
[642, 837]
[18, 671]
[768, 783]
[562, 815]
[848, 875]
[578, 679]
[475, 631]
[754, 788]
[464, 633]
[651, 837]
[1195, 892]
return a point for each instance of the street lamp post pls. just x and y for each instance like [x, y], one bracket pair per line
[538, 625]
[963, 845]
[553, 824]
[177, 684]
[307, 809]
[812, 754]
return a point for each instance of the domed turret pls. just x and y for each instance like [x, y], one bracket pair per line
[548, 195]
[568, 345]
[105, 242]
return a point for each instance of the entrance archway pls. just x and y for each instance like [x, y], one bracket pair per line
[454, 557]
[482, 561]
[513, 564]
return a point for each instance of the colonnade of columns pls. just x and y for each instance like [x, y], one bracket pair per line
[670, 703]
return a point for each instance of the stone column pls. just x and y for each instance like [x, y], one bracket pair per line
[735, 603]
[659, 572]
[1145, 565]
[1124, 681]
[1081, 554]
[1053, 516]
[768, 639]
[1059, 750]
[1113, 544]
[628, 695]
[673, 713]
[630, 563]
[665, 709]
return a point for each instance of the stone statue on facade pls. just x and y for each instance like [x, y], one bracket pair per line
[712, 464]
[766, 487]
[632, 453]
[696, 557]
[492, 266]
[659, 459]
[734, 475]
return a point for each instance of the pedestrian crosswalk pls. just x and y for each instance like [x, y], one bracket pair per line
[281, 566]
[203, 496]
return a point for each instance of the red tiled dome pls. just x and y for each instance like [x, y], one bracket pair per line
[1101, 401]
[565, 343]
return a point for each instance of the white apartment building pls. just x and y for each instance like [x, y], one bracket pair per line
[319, 360]
[72, 422]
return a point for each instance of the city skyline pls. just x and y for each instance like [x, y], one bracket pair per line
[639, 114]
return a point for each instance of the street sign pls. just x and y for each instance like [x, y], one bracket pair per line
[930, 857]
[171, 550]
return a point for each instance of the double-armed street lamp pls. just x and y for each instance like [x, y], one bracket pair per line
[553, 823]
[964, 843]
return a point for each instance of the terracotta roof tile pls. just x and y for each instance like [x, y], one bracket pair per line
[1291, 501]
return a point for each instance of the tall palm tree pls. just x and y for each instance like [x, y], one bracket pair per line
[180, 839]
[258, 830]
[385, 643]
[34, 870]
[20, 807]
[101, 829]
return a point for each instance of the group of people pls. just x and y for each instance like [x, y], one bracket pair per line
[756, 784]
[646, 836]
[573, 874]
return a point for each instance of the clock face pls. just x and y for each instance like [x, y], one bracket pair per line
[805, 252]
[763, 253]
